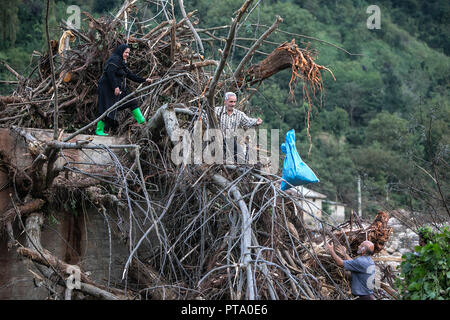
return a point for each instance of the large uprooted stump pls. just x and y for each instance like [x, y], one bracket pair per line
[378, 233]
[288, 55]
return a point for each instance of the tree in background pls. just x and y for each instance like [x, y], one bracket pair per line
[104, 6]
[9, 23]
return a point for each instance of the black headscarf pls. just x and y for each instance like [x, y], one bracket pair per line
[117, 56]
[120, 49]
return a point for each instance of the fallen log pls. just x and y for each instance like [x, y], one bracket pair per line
[288, 55]
[48, 260]
[23, 210]
[5, 100]
[246, 229]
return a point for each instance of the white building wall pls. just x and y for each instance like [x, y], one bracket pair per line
[337, 212]
[313, 206]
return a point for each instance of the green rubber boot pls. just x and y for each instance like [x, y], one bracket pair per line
[138, 115]
[100, 128]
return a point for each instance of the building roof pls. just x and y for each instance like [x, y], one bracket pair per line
[308, 193]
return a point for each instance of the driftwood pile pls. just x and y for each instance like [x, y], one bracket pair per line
[193, 231]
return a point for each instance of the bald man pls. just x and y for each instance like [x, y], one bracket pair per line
[362, 269]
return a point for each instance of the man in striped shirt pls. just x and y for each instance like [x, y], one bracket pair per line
[230, 119]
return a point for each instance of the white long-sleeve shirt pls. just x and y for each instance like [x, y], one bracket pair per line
[237, 119]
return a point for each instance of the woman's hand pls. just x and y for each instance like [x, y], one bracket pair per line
[117, 91]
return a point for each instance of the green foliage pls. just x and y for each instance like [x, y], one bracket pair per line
[426, 20]
[53, 221]
[389, 130]
[8, 23]
[426, 233]
[71, 205]
[326, 208]
[104, 6]
[425, 274]
[331, 161]
[335, 121]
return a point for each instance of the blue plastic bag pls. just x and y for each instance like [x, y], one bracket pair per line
[295, 171]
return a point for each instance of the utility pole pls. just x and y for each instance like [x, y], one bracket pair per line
[359, 197]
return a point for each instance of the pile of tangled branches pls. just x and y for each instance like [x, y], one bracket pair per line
[78, 69]
[193, 231]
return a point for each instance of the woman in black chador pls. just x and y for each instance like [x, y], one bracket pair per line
[112, 88]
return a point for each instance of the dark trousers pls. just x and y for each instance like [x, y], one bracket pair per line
[234, 149]
[110, 119]
[110, 123]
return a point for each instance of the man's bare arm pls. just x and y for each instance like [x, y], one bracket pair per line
[333, 254]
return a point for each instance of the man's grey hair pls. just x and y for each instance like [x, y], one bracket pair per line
[229, 94]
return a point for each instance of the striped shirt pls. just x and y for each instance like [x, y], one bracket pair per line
[235, 120]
